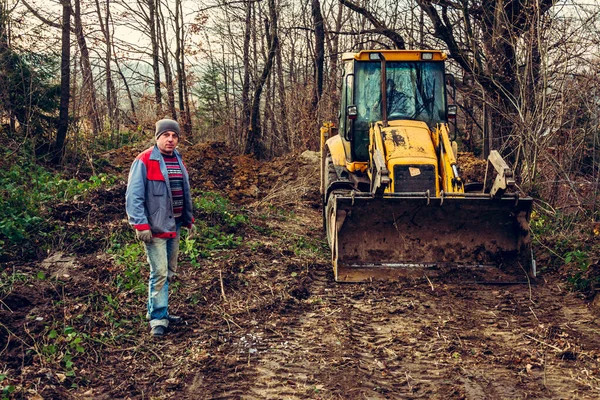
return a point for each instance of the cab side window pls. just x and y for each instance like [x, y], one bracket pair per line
[368, 103]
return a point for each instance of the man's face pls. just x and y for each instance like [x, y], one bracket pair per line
[167, 142]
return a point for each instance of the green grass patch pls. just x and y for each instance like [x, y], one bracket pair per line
[26, 191]
[7, 388]
[62, 347]
[304, 246]
[132, 257]
[219, 225]
[579, 274]
[570, 247]
[9, 279]
[217, 210]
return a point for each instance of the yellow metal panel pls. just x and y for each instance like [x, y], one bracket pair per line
[408, 140]
[338, 155]
[357, 166]
[336, 148]
[445, 137]
[415, 161]
[401, 55]
[325, 132]
[447, 161]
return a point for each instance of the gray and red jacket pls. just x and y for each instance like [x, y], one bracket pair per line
[148, 200]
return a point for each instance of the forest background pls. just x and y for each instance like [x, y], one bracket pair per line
[81, 77]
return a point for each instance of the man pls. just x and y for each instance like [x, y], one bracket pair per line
[396, 100]
[159, 203]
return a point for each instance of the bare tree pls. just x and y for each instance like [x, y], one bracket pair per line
[182, 86]
[246, 74]
[86, 69]
[65, 71]
[254, 135]
[151, 18]
[163, 43]
[486, 46]
[319, 50]
[111, 92]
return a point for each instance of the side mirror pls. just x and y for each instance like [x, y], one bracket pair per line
[450, 79]
[451, 111]
[352, 112]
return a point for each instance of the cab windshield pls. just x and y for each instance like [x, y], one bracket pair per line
[414, 90]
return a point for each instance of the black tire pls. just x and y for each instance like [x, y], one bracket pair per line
[329, 218]
[329, 176]
[330, 211]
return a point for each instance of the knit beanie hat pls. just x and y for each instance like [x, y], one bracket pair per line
[166, 125]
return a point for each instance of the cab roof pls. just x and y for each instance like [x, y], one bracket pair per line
[396, 55]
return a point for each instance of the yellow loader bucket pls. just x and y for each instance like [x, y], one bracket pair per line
[472, 238]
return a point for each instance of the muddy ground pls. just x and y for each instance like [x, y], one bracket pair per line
[265, 320]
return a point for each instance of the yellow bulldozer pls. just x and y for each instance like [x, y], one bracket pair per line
[394, 203]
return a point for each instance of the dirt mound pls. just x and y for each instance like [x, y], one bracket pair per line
[88, 221]
[246, 180]
[100, 205]
[119, 160]
[472, 169]
[243, 179]
[210, 166]
[291, 180]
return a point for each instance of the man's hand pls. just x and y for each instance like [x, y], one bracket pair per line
[191, 231]
[144, 236]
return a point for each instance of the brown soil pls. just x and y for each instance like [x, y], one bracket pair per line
[472, 169]
[266, 320]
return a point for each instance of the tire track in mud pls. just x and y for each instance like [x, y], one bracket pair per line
[351, 343]
[403, 340]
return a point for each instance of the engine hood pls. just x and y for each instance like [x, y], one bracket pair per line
[405, 139]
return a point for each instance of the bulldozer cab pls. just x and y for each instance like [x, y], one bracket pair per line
[389, 85]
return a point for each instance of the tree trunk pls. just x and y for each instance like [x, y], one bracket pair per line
[333, 46]
[134, 118]
[111, 94]
[86, 69]
[65, 71]
[246, 66]
[253, 143]
[319, 52]
[163, 44]
[6, 100]
[287, 140]
[184, 100]
[155, 58]
[179, 55]
[318, 67]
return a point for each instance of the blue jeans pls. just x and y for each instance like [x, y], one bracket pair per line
[162, 257]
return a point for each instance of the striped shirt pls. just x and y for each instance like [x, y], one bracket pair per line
[176, 183]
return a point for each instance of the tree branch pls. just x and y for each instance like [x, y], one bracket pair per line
[379, 26]
[42, 18]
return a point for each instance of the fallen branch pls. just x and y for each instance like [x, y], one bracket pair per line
[529, 284]
[430, 284]
[222, 286]
[545, 344]
[5, 305]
